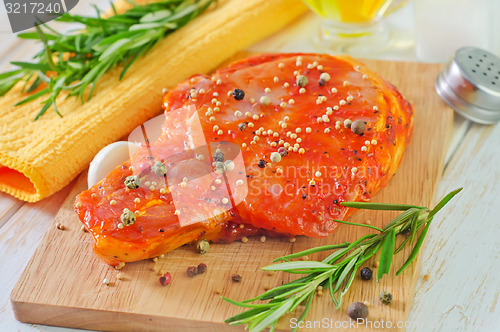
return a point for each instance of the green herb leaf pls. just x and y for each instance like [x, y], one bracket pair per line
[34, 66]
[84, 55]
[44, 109]
[347, 286]
[33, 96]
[277, 291]
[155, 16]
[245, 314]
[355, 224]
[403, 217]
[273, 317]
[345, 272]
[380, 206]
[415, 250]
[413, 227]
[304, 313]
[9, 79]
[444, 201]
[312, 251]
[332, 293]
[384, 264]
[402, 245]
[34, 35]
[336, 255]
[299, 267]
[13, 73]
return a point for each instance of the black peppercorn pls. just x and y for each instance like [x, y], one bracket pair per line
[219, 156]
[261, 163]
[236, 278]
[242, 126]
[238, 94]
[366, 273]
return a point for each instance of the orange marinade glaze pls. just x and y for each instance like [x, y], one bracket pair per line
[327, 163]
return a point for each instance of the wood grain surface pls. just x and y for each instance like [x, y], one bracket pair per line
[466, 254]
[62, 283]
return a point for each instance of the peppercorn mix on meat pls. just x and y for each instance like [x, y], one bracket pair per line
[274, 142]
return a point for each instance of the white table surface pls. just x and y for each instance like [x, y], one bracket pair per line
[462, 252]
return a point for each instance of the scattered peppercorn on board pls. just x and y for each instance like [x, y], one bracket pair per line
[63, 284]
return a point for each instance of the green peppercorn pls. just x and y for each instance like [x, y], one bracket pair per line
[386, 297]
[202, 246]
[132, 182]
[302, 81]
[127, 217]
[159, 168]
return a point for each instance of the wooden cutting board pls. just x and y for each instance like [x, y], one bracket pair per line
[63, 282]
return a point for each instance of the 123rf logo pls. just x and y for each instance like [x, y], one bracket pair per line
[26, 14]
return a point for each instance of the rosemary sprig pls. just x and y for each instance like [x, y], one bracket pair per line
[337, 271]
[76, 61]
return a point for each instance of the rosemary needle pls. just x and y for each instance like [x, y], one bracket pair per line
[337, 271]
[75, 62]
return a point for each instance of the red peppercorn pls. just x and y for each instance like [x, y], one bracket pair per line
[201, 268]
[192, 271]
[283, 151]
[166, 279]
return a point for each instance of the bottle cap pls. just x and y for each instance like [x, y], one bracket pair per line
[470, 84]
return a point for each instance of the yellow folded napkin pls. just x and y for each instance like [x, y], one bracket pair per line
[38, 158]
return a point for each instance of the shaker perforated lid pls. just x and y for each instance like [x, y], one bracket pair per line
[470, 84]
